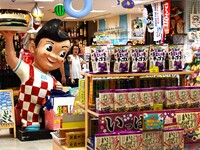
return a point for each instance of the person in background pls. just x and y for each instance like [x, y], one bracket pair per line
[129, 43]
[75, 64]
[65, 73]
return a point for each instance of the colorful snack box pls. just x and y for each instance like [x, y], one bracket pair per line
[158, 56]
[106, 101]
[130, 140]
[173, 139]
[146, 98]
[107, 141]
[152, 140]
[175, 53]
[194, 96]
[139, 57]
[121, 59]
[158, 96]
[100, 59]
[120, 100]
[183, 96]
[133, 101]
[171, 97]
[153, 121]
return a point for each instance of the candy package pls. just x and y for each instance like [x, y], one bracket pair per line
[175, 53]
[121, 59]
[100, 59]
[158, 56]
[139, 58]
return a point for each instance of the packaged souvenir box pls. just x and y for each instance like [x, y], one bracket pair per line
[152, 140]
[106, 101]
[107, 141]
[130, 140]
[173, 139]
[120, 100]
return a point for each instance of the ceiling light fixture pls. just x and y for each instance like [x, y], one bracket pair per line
[70, 18]
[98, 11]
[44, 0]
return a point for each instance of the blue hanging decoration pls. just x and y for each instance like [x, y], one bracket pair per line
[78, 13]
[128, 4]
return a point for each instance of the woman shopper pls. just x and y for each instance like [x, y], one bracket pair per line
[75, 63]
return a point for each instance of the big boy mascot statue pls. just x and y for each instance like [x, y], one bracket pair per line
[49, 50]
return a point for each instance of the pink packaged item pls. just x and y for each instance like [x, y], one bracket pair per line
[121, 59]
[171, 98]
[107, 141]
[130, 140]
[158, 56]
[120, 100]
[146, 98]
[195, 96]
[175, 53]
[133, 100]
[152, 140]
[173, 139]
[183, 96]
[52, 122]
[106, 101]
[100, 59]
[158, 95]
[139, 57]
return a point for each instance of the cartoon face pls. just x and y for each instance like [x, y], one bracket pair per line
[49, 55]
[37, 15]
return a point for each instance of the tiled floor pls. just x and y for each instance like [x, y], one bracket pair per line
[7, 142]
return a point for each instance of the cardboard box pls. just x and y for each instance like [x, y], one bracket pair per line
[73, 121]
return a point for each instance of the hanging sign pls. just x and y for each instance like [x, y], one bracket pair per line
[157, 21]
[166, 16]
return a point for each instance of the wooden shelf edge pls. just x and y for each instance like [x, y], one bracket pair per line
[136, 74]
[93, 113]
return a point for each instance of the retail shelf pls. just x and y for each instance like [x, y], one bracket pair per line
[80, 104]
[98, 75]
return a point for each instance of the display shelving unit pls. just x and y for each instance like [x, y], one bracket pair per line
[89, 109]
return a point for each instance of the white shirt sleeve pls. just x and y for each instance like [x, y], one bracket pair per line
[22, 70]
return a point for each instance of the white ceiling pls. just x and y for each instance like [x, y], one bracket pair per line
[48, 9]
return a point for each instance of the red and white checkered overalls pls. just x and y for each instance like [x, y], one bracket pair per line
[32, 95]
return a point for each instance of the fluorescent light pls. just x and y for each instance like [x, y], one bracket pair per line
[98, 11]
[70, 18]
[44, 0]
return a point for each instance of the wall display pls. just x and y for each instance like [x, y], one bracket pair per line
[7, 119]
[195, 18]
[78, 13]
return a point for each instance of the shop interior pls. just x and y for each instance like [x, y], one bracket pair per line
[115, 74]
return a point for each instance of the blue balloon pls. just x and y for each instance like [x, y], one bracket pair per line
[78, 13]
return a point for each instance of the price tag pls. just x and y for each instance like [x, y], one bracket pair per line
[154, 69]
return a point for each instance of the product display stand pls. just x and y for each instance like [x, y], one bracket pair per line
[7, 115]
[89, 111]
